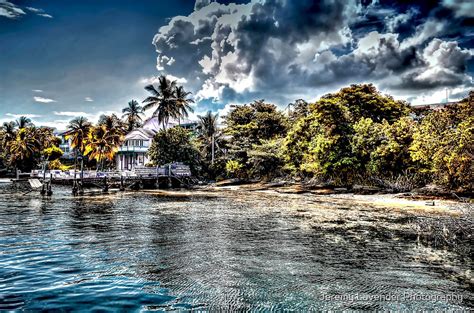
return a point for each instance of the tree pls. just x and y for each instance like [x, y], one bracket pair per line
[78, 131]
[249, 125]
[23, 122]
[173, 145]
[102, 144]
[182, 102]
[319, 143]
[364, 100]
[444, 144]
[208, 134]
[22, 149]
[382, 149]
[298, 109]
[132, 115]
[163, 98]
[266, 159]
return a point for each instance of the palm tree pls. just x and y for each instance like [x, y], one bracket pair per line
[23, 122]
[163, 99]
[132, 114]
[78, 130]
[9, 131]
[113, 124]
[102, 144]
[182, 102]
[208, 132]
[22, 147]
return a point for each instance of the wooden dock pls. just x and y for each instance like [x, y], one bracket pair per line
[170, 176]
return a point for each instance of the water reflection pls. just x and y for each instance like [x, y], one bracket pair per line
[143, 251]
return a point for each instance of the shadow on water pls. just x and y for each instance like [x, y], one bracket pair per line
[144, 251]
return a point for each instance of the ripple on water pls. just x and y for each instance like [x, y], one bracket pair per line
[137, 251]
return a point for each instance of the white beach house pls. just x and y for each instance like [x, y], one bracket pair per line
[133, 152]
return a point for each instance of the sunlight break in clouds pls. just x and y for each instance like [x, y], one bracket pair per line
[284, 50]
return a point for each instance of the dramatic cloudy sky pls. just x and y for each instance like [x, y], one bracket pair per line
[60, 59]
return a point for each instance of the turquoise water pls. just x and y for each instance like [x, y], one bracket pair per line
[144, 252]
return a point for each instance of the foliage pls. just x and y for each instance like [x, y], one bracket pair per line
[103, 142]
[249, 125]
[57, 165]
[265, 159]
[383, 147]
[77, 131]
[132, 115]
[170, 100]
[26, 147]
[345, 133]
[234, 168]
[173, 145]
[444, 143]
[52, 153]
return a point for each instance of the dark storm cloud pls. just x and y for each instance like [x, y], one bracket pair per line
[285, 49]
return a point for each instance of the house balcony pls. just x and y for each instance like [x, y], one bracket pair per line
[133, 149]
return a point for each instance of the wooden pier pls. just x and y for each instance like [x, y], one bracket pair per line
[169, 176]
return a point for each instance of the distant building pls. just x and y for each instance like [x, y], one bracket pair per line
[133, 152]
[65, 146]
[433, 106]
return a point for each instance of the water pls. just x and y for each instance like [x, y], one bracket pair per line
[142, 251]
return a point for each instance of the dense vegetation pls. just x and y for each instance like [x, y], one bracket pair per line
[356, 135]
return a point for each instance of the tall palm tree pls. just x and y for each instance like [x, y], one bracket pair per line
[23, 122]
[208, 133]
[182, 102]
[132, 114]
[78, 130]
[163, 98]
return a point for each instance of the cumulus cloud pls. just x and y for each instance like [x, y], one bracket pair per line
[37, 90]
[88, 99]
[10, 10]
[281, 50]
[43, 100]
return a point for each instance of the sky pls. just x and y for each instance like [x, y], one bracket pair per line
[62, 59]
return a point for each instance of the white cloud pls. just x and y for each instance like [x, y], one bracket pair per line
[461, 8]
[154, 80]
[37, 90]
[45, 15]
[10, 10]
[43, 100]
[25, 115]
[88, 99]
[71, 113]
[35, 10]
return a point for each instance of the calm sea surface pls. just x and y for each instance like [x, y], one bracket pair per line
[141, 251]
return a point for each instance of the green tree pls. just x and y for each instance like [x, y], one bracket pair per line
[133, 115]
[173, 145]
[23, 122]
[163, 99]
[444, 143]
[182, 102]
[249, 125]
